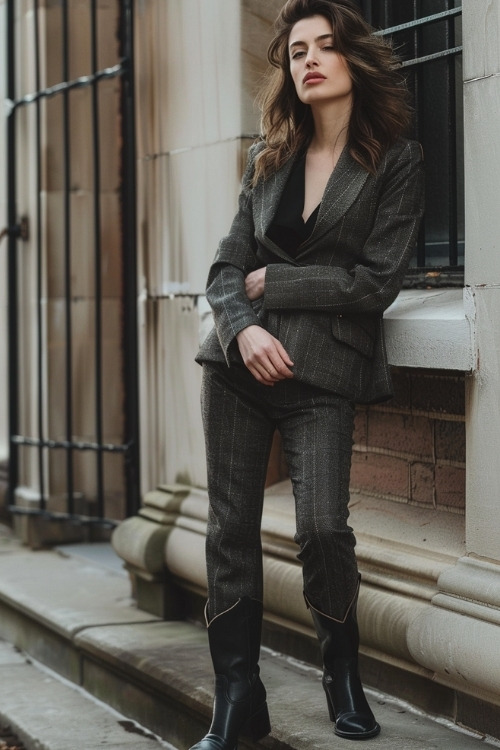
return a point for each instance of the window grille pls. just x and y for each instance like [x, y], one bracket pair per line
[427, 36]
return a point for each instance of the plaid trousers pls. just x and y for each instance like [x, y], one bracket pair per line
[240, 416]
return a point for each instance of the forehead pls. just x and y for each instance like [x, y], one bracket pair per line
[309, 28]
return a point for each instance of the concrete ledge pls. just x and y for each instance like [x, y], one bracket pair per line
[66, 595]
[432, 328]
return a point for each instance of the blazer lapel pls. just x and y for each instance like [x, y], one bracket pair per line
[342, 189]
[267, 195]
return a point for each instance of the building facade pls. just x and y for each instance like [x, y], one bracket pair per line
[425, 499]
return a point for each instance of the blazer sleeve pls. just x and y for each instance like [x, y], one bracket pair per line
[374, 282]
[235, 258]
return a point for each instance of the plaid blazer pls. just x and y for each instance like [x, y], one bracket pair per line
[325, 304]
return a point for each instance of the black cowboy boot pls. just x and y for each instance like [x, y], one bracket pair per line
[346, 700]
[240, 697]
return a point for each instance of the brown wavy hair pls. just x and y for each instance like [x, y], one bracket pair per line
[380, 113]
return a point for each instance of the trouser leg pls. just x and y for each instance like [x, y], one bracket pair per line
[317, 439]
[238, 438]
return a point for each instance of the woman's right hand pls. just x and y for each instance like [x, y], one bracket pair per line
[264, 355]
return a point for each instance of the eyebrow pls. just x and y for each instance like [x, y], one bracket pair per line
[318, 39]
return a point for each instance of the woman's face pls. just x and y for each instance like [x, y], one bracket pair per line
[320, 74]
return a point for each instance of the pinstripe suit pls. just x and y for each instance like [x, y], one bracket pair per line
[325, 305]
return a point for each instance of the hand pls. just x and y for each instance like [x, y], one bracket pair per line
[264, 355]
[254, 283]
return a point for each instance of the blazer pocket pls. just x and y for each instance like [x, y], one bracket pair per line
[354, 335]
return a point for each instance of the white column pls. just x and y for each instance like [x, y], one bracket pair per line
[458, 637]
[481, 23]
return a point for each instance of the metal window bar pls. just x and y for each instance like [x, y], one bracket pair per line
[130, 448]
[424, 274]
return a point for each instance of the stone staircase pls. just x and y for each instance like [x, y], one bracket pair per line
[71, 610]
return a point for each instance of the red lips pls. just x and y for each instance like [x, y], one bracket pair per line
[313, 76]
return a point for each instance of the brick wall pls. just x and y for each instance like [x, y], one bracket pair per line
[411, 449]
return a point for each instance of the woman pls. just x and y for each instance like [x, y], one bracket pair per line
[327, 221]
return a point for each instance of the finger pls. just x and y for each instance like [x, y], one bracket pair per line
[268, 373]
[278, 367]
[272, 373]
[283, 353]
[262, 376]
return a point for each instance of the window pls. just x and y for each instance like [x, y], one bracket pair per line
[427, 35]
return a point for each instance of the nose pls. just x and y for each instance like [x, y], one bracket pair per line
[311, 58]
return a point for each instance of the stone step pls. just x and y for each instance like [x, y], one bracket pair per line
[72, 611]
[44, 712]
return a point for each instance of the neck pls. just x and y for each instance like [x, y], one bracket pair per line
[331, 127]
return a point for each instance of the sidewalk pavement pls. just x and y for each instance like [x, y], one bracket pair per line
[71, 608]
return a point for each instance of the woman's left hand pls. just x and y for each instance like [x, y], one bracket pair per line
[254, 283]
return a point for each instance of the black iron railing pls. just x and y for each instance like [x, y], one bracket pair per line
[43, 443]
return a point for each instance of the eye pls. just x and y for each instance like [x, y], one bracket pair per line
[298, 54]
[328, 48]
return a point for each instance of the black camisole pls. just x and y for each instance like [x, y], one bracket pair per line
[289, 230]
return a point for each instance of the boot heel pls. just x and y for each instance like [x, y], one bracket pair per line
[258, 725]
[329, 703]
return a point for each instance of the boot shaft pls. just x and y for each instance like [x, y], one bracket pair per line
[234, 640]
[338, 639]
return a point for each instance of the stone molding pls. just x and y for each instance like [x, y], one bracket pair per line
[141, 542]
[430, 612]
[164, 549]
[457, 636]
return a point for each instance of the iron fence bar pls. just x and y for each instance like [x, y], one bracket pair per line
[129, 223]
[67, 260]
[79, 520]
[96, 154]
[13, 322]
[39, 261]
[70, 444]
[445, 14]
[114, 72]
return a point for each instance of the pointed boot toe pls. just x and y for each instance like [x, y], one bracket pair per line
[356, 726]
